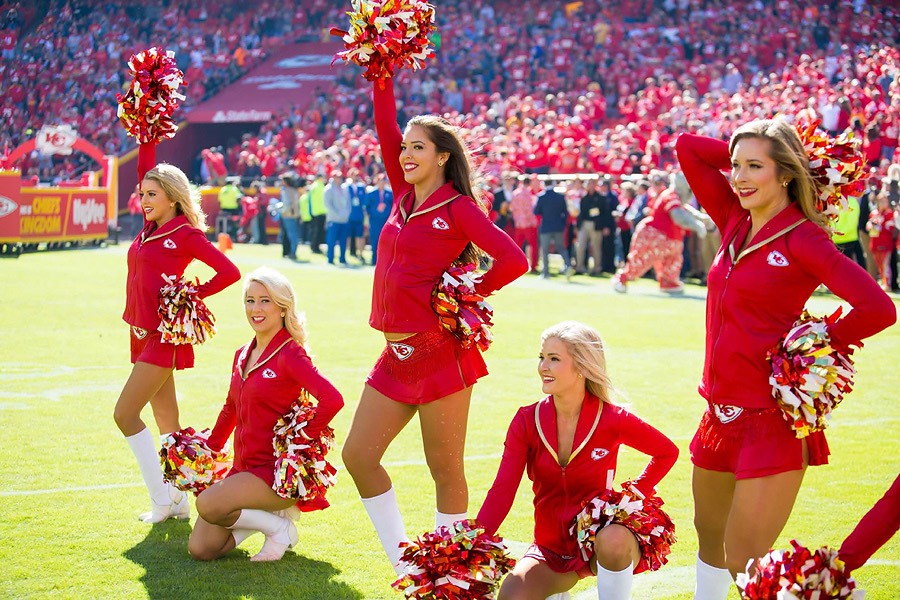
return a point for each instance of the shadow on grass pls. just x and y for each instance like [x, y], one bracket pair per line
[170, 572]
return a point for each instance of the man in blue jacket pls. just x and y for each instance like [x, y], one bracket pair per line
[378, 205]
[551, 207]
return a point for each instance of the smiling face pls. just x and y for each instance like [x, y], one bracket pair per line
[559, 374]
[263, 314]
[419, 157]
[755, 176]
[155, 204]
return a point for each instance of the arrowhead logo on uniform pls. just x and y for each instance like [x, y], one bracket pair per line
[440, 224]
[402, 351]
[598, 453]
[777, 259]
[727, 413]
[269, 374]
[138, 332]
[169, 244]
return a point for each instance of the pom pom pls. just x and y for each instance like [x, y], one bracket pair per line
[385, 35]
[809, 378]
[461, 309]
[184, 317]
[837, 167]
[189, 464]
[640, 513]
[301, 470]
[461, 562]
[146, 109]
[803, 573]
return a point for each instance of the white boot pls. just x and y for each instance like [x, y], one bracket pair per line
[240, 535]
[447, 519]
[385, 516]
[713, 583]
[166, 502]
[280, 532]
[614, 585]
[560, 596]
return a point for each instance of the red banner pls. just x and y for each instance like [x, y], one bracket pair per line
[10, 182]
[53, 215]
[290, 77]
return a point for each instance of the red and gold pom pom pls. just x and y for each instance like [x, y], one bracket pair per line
[460, 562]
[641, 513]
[803, 573]
[809, 377]
[189, 464]
[837, 167]
[385, 35]
[147, 108]
[184, 317]
[301, 471]
[461, 309]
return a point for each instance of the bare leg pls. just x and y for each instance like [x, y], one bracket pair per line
[713, 491]
[142, 385]
[534, 580]
[165, 407]
[444, 436]
[220, 505]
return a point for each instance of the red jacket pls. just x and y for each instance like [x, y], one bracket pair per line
[754, 297]
[415, 248]
[169, 250]
[559, 492]
[258, 399]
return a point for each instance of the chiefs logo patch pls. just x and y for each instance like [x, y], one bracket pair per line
[727, 413]
[440, 224]
[401, 351]
[777, 259]
[138, 332]
[598, 453]
[269, 374]
[169, 244]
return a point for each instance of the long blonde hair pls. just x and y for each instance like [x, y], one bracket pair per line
[586, 347]
[282, 294]
[791, 162]
[178, 189]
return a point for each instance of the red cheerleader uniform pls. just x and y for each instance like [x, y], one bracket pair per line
[754, 296]
[414, 249]
[560, 491]
[155, 252]
[262, 394]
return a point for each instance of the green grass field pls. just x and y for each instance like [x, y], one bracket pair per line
[70, 489]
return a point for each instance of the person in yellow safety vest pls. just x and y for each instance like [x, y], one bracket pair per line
[317, 213]
[846, 233]
[230, 205]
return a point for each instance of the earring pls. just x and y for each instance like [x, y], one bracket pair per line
[172, 204]
[784, 183]
[440, 163]
[282, 314]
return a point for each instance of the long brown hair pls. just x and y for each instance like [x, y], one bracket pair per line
[791, 162]
[458, 169]
[178, 189]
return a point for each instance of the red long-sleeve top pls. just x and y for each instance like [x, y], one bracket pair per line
[559, 491]
[755, 295]
[417, 246]
[168, 250]
[257, 399]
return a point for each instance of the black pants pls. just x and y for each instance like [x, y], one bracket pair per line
[608, 255]
[317, 233]
[853, 250]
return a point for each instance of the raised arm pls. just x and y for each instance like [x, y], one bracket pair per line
[702, 160]
[647, 439]
[502, 494]
[226, 272]
[871, 309]
[389, 134]
[509, 260]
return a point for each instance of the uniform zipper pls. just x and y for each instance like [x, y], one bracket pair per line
[712, 358]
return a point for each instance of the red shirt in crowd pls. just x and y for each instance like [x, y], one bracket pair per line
[560, 490]
[417, 246]
[168, 250]
[756, 294]
[660, 217]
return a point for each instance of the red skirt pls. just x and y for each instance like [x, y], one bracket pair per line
[426, 367]
[752, 442]
[560, 564]
[267, 474]
[147, 346]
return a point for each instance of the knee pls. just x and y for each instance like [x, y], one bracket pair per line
[615, 548]
[513, 588]
[124, 418]
[200, 551]
[446, 472]
[357, 461]
[210, 510]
